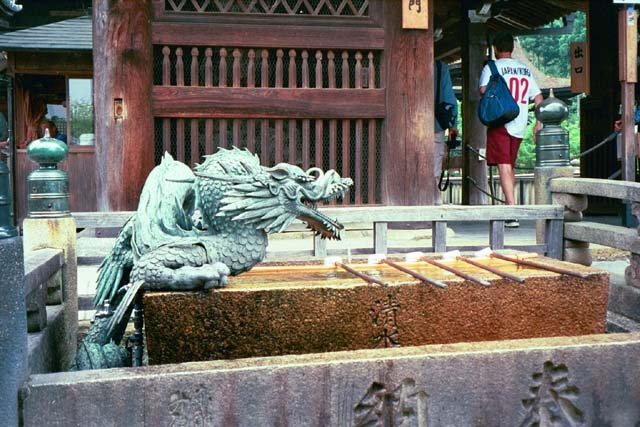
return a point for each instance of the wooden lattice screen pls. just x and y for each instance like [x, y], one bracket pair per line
[276, 91]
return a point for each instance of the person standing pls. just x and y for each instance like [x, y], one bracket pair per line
[444, 94]
[504, 141]
[53, 131]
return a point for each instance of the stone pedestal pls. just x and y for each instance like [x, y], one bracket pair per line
[59, 233]
[632, 272]
[13, 329]
[542, 192]
[281, 312]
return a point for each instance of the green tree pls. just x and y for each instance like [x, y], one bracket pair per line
[81, 118]
[550, 53]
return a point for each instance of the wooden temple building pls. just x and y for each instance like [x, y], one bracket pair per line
[338, 84]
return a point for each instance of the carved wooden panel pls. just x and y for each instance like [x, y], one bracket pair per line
[285, 68]
[357, 8]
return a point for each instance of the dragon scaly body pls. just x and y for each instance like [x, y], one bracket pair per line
[164, 246]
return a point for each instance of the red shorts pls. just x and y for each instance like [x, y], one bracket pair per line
[502, 148]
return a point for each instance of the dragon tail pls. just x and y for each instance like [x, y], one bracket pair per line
[118, 322]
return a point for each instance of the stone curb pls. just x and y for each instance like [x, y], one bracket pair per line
[589, 380]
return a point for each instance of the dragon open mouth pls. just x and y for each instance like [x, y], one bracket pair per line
[329, 187]
[274, 200]
[318, 222]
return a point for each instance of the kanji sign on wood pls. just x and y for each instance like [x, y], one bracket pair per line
[579, 67]
[415, 14]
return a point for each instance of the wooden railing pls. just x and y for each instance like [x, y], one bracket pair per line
[438, 216]
[378, 218]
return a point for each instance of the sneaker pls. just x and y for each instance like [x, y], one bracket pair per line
[512, 223]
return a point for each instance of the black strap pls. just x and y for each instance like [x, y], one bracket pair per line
[445, 173]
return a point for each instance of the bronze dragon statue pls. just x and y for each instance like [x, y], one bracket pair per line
[193, 229]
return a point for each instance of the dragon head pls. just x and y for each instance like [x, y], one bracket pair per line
[277, 196]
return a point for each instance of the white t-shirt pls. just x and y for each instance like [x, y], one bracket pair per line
[523, 88]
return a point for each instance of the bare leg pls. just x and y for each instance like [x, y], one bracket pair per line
[507, 181]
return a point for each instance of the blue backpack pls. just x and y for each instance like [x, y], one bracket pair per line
[497, 106]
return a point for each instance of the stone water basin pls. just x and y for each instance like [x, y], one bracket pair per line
[296, 309]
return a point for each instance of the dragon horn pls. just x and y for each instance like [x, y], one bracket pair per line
[223, 167]
[246, 167]
[234, 179]
[188, 180]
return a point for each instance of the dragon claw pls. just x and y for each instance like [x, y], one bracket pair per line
[218, 275]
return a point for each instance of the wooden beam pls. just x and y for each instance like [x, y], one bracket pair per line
[122, 70]
[449, 52]
[267, 36]
[267, 103]
[407, 148]
[475, 133]
[628, 137]
[599, 110]
[79, 64]
[628, 58]
[571, 5]
[627, 44]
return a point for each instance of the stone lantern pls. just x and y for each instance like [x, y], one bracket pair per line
[552, 141]
[48, 186]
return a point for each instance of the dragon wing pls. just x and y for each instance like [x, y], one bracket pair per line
[114, 271]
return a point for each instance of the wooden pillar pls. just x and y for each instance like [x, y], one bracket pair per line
[474, 48]
[627, 66]
[599, 110]
[122, 64]
[407, 151]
